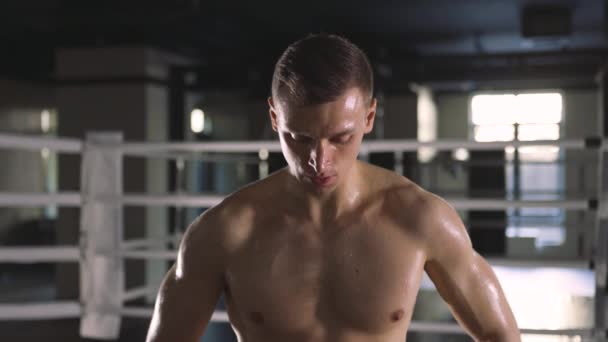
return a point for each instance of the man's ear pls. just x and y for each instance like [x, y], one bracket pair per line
[273, 114]
[370, 116]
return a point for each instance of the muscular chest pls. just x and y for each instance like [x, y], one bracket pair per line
[364, 278]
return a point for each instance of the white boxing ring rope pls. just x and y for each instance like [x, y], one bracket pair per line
[34, 254]
[132, 249]
[32, 143]
[40, 311]
[138, 149]
[196, 201]
[64, 199]
[64, 145]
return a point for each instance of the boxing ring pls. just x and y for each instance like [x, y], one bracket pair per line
[102, 251]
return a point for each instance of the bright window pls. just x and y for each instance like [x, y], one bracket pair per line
[500, 109]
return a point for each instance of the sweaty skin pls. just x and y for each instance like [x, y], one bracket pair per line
[328, 249]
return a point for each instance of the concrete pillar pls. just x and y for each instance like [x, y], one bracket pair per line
[21, 106]
[115, 89]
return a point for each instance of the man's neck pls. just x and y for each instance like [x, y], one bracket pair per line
[323, 207]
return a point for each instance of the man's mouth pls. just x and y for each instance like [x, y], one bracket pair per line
[322, 181]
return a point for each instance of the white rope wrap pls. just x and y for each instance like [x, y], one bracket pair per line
[101, 230]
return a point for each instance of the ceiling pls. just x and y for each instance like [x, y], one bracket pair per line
[438, 41]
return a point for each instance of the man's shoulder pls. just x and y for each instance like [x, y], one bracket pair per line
[255, 196]
[408, 202]
[394, 188]
[429, 215]
[232, 219]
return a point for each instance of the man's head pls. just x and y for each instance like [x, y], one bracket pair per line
[321, 106]
[318, 69]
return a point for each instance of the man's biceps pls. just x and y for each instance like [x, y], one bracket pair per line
[449, 242]
[439, 274]
[450, 269]
[455, 258]
[204, 282]
[176, 296]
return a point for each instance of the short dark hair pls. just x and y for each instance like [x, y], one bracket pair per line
[319, 68]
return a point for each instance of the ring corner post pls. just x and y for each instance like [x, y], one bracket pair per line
[101, 232]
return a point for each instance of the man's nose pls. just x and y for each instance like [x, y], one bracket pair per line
[319, 156]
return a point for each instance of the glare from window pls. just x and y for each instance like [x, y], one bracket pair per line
[538, 132]
[550, 298]
[543, 236]
[263, 154]
[45, 153]
[539, 108]
[427, 123]
[539, 153]
[197, 120]
[493, 109]
[494, 133]
[461, 154]
[45, 121]
[534, 153]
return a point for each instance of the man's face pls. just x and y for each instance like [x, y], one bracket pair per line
[321, 142]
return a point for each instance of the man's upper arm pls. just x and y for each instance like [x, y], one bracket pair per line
[188, 294]
[463, 278]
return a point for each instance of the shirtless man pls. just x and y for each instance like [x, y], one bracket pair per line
[329, 248]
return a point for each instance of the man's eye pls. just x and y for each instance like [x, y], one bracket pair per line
[300, 138]
[343, 139]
